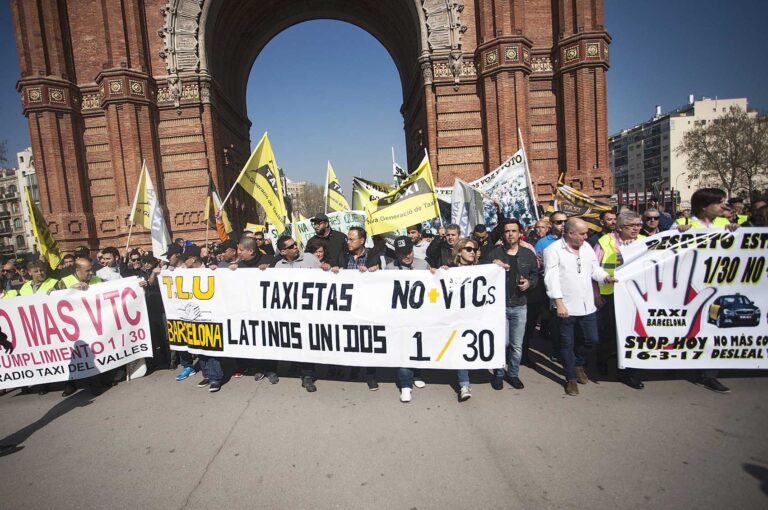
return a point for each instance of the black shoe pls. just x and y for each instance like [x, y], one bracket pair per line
[497, 383]
[516, 383]
[203, 383]
[214, 387]
[713, 384]
[308, 384]
[69, 389]
[372, 384]
[259, 376]
[632, 382]
[273, 378]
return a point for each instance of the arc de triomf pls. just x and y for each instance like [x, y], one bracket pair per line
[106, 84]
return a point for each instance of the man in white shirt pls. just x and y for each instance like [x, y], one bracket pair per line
[110, 261]
[570, 266]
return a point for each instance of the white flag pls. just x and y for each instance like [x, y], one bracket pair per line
[148, 213]
[466, 207]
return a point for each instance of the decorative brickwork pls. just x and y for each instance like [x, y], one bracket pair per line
[164, 81]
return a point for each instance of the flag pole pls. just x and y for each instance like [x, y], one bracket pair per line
[133, 208]
[327, 175]
[528, 173]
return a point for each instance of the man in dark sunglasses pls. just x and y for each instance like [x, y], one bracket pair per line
[557, 225]
[651, 222]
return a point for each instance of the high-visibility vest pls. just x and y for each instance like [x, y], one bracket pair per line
[718, 222]
[9, 293]
[48, 284]
[742, 219]
[71, 280]
[610, 260]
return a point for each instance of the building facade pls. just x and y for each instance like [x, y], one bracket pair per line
[26, 178]
[13, 241]
[646, 154]
[165, 81]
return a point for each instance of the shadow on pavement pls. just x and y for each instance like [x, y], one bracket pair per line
[759, 472]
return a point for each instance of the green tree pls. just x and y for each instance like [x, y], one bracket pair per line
[731, 152]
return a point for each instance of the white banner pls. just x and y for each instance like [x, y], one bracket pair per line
[73, 334]
[509, 185]
[340, 221]
[694, 300]
[453, 319]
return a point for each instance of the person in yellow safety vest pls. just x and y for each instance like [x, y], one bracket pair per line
[737, 210]
[708, 206]
[83, 276]
[607, 250]
[39, 283]
[81, 279]
[9, 294]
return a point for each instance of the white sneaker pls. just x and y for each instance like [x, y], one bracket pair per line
[419, 383]
[465, 393]
[405, 395]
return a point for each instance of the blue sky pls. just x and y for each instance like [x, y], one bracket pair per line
[341, 101]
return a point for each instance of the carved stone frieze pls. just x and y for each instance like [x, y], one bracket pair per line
[444, 31]
[541, 65]
[181, 49]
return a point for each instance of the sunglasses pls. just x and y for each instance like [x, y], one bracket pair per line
[470, 249]
[290, 247]
[135, 260]
[559, 222]
[652, 218]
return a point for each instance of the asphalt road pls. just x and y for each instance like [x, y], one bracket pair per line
[158, 443]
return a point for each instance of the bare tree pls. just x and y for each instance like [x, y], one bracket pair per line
[313, 200]
[730, 153]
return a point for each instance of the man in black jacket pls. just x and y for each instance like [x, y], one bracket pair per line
[521, 278]
[335, 241]
[439, 250]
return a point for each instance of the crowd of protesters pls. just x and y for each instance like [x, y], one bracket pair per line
[559, 285]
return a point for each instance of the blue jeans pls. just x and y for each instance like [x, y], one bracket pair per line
[516, 317]
[211, 368]
[405, 376]
[572, 352]
[185, 359]
[463, 377]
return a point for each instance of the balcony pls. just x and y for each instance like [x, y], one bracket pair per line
[9, 196]
[5, 215]
[7, 249]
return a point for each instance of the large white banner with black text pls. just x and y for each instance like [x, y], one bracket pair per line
[452, 319]
[697, 299]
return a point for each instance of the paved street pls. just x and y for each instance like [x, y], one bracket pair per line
[157, 443]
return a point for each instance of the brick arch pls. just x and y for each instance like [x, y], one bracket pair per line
[163, 81]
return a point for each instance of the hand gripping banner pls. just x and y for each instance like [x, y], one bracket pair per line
[452, 319]
[73, 334]
[697, 299]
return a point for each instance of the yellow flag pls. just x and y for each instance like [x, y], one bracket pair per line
[45, 241]
[334, 197]
[148, 213]
[363, 191]
[578, 204]
[412, 202]
[260, 177]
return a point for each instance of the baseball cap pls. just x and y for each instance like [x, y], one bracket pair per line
[319, 218]
[192, 250]
[403, 246]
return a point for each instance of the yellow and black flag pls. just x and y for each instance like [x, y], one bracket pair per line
[334, 197]
[260, 177]
[213, 201]
[45, 241]
[410, 203]
[578, 204]
[363, 191]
